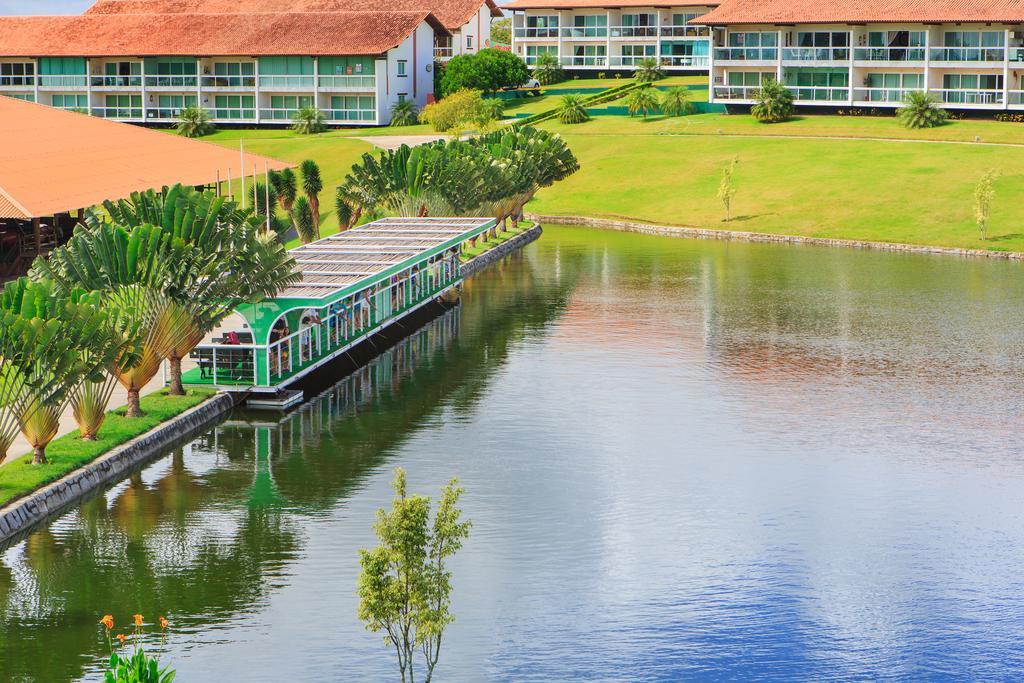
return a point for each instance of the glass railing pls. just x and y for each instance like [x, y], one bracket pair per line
[164, 113]
[736, 92]
[634, 31]
[278, 114]
[248, 82]
[1016, 97]
[348, 82]
[117, 112]
[629, 60]
[746, 54]
[1016, 54]
[968, 54]
[171, 81]
[816, 54]
[678, 61]
[889, 54]
[585, 32]
[819, 93]
[286, 82]
[17, 81]
[970, 96]
[536, 32]
[116, 81]
[883, 95]
[584, 61]
[63, 81]
[684, 31]
[231, 114]
[355, 115]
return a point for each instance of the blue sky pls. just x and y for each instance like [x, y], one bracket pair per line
[43, 6]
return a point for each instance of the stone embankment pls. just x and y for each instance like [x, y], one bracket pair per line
[501, 251]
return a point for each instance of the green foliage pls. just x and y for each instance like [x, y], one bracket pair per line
[774, 103]
[302, 216]
[137, 667]
[727, 187]
[404, 583]
[309, 121]
[547, 69]
[194, 122]
[312, 185]
[460, 110]
[488, 70]
[675, 101]
[572, 110]
[648, 70]
[921, 110]
[286, 189]
[405, 113]
[501, 32]
[642, 101]
[984, 193]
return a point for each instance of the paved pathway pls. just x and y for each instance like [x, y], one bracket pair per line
[396, 141]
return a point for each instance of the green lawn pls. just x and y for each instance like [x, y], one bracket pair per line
[913, 192]
[536, 105]
[483, 246]
[20, 477]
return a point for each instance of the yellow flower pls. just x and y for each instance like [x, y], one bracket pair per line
[138, 619]
[108, 621]
[164, 624]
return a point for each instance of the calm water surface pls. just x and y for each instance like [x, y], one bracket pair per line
[683, 460]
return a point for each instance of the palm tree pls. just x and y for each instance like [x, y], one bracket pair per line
[194, 122]
[547, 70]
[345, 208]
[648, 70]
[286, 188]
[309, 121]
[675, 101]
[302, 217]
[312, 185]
[572, 110]
[405, 113]
[642, 101]
[921, 110]
[774, 102]
[49, 345]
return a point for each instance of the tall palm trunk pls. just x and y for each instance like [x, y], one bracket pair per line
[134, 408]
[176, 388]
[39, 428]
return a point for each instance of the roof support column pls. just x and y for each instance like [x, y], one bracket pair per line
[608, 39]
[849, 68]
[1006, 69]
[778, 57]
[35, 81]
[316, 82]
[199, 87]
[142, 81]
[256, 100]
[88, 83]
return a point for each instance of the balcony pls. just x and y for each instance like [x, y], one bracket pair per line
[63, 82]
[122, 113]
[746, 54]
[629, 61]
[304, 83]
[229, 82]
[974, 55]
[894, 96]
[362, 116]
[284, 115]
[736, 92]
[685, 32]
[349, 83]
[971, 96]
[115, 82]
[584, 32]
[584, 61]
[172, 82]
[684, 61]
[1016, 54]
[442, 54]
[220, 114]
[633, 31]
[546, 32]
[816, 54]
[1016, 98]
[17, 82]
[818, 93]
[164, 114]
[889, 54]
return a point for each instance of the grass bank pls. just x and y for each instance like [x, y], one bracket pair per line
[67, 453]
[484, 246]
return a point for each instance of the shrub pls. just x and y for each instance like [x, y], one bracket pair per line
[648, 70]
[194, 122]
[461, 109]
[642, 101]
[774, 103]
[405, 113]
[676, 102]
[302, 217]
[488, 70]
[309, 121]
[572, 110]
[547, 70]
[501, 32]
[921, 110]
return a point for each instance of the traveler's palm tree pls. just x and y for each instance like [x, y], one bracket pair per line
[648, 70]
[309, 121]
[642, 101]
[774, 103]
[194, 122]
[921, 110]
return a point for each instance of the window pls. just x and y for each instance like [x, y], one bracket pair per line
[70, 101]
[17, 73]
[234, 107]
[356, 107]
[819, 84]
[284, 107]
[748, 79]
[639, 19]
[401, 97]
[232, 75]
[170, 106]
[401, 68]
[821, 45]
[589, 26]
[25, 97]
[972, 46]
[123, 106]
[545, 26]
[469, 42]
[684, 18]
[534, 51]
[589, 55]
[631, 54]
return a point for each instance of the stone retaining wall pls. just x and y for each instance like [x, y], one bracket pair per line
[709, 234]
[25, 513]
[501, 251]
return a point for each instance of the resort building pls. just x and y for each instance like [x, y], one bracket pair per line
[612, 36]
[969, 55]
[247, 62]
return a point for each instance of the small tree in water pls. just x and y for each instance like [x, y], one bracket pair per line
[404, 584]
[726, 188]
[984, 193]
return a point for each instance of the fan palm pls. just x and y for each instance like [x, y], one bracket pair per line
[648, 70]
[309, 121]
[675, 101]
[312, 185]
[572, 110]
[921, 110]
[774, 102]
[194, 122]
[642, 101]
[405, 113]
[547, 70]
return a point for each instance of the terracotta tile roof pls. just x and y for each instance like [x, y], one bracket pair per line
[864, 11]
[605, 4]
[94, 35]
[53, 161]
[453, 14]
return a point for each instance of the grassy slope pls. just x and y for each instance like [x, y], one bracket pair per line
[911, 192]
[19, 477]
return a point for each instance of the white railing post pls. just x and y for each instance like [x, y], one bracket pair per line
[215, 365]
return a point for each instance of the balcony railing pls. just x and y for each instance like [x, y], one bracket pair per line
[116, 81]
[968, 54]
[584, 61]
[684, 61]
[444, 52]
[361, 83]
[883, 95]
[585, 32]
[246, 82]
[746, 54]
[1016, 54]
[633, 31]
[889, 54]
[629, 60]
[17, 81]
[286, 82]
[685, 31]
[1016, 97]
[536, 32]
[117, 112]
[819, 93]
[816, 54]
[353, 115]
[736, 92]
[63, 81]
[230, 114]
[171, 81]
[970, 96]
[278, 114]
[172, 114]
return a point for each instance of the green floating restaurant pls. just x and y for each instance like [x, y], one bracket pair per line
[354, 285]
